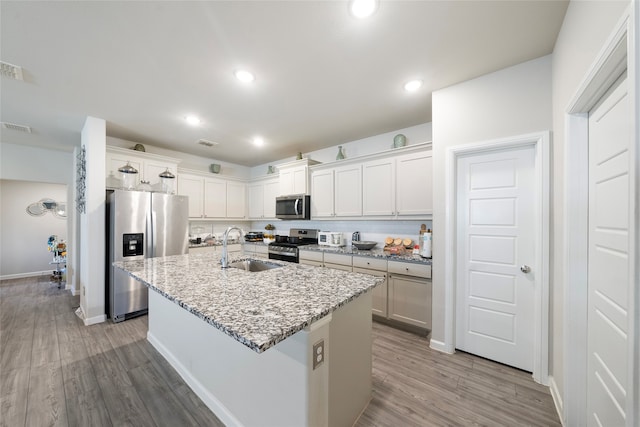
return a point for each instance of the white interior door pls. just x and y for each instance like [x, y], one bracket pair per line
[608, 267]
[496, 255]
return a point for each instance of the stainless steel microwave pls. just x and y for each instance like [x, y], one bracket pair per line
[297, 206]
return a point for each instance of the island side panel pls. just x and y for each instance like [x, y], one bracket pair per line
[242, 387]
[349, 355]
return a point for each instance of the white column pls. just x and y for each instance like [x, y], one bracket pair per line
[92, 234]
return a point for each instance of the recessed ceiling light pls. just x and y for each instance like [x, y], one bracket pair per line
[413, 85]
[363, 8]
[244, 76]
[193, 120]
[258, 141]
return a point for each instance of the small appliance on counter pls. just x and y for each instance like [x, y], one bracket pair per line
[331, 238]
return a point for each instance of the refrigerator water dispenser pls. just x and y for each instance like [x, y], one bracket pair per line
[132, 244]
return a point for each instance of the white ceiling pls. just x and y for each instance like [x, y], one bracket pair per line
[322, 77]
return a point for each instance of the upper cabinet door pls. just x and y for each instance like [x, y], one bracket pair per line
[348, 190]
[153, 169]
[379, 188]
[215, 198]
[271, 190]
[114, 161]
[414, 185]
[236, 200]
[322, 193]
[192, 187]
[256, 200]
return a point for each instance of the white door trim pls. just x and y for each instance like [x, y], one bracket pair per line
[620, 52]
[540, 141]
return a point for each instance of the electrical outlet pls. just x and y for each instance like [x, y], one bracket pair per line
[318, 353]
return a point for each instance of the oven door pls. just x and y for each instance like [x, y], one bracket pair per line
[283, 254]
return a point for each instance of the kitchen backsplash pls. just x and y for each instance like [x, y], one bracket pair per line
[375, 231]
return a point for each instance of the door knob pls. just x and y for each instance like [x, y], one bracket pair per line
[525, 268]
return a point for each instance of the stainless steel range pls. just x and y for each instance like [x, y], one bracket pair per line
[285, 248]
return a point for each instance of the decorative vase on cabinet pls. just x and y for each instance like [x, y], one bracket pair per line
[340, 155]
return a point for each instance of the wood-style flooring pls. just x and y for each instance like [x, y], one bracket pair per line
[54, 371]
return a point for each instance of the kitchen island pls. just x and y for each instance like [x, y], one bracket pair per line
[246, 342]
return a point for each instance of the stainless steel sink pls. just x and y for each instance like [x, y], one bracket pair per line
[254, 265]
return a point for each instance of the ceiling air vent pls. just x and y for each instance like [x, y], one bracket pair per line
[206, 143]
[13, 126]
[11, 71]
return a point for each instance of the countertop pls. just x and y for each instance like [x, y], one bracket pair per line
[258, 309]
[375, 253]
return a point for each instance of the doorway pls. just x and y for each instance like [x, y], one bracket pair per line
[496, 262]
[510, 274]
[602, 373]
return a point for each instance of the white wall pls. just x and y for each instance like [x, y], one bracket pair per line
[23, 238]
[361, 147]
[36, 164]
[585, 28]
[509, 102]
[24, 163]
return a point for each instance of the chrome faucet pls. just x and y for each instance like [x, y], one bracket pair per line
[225, 255]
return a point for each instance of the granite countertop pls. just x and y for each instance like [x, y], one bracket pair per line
[258, 309]
[375, 253]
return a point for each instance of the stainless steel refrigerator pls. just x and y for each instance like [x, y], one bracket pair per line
[140, 225]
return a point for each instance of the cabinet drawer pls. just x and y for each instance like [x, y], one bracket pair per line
[338, 266]
[337, 259]
[410, 269]
[311, 262]
[370, 262]
[311, 255]
[262, 249]
[202, 249]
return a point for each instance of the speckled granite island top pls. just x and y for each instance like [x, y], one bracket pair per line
[259, 309]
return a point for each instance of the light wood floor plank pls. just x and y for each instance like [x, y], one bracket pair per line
[56, 371]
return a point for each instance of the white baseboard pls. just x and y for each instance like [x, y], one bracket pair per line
[207, 398]
[439, 346]
[94, 320]
[74, 292]
[23, 275]
[557, 398]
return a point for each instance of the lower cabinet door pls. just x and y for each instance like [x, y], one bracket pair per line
[410, 300]
[379, 295]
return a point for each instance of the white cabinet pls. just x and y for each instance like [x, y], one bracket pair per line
[338, 261]
[255, 249]
[314, 258]
[294, 177]
[337, 192]
[262, 198]
[192, 187]
[375, 267]
[236, 200]
[213, 198]
[409, 294]
[379, 187]
[149, 166]
[398, 186]
[414, 184]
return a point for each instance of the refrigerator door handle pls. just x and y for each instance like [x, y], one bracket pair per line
[151, 234]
